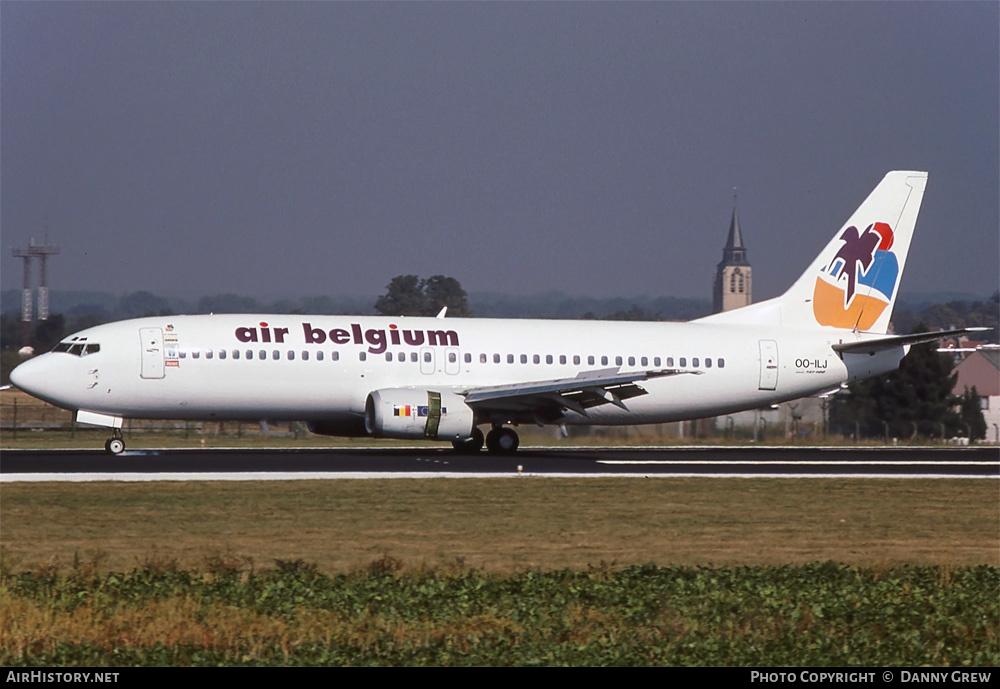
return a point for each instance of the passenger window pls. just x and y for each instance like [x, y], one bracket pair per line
[694, 362]
[562, 358]
[644, 361]
[496, 358]
[209, 354]
[631, 361]
[590, 360]
[275, 354]
[413, 357]
[604, 361]
[180, 355]
[536, 359]
[510, 358]
[319, 356]
[195, 354]
[305, 355]
[427, 356]
[722, 363]
[262, 354]
[618, 361]
[452, 358]
[656, 361]
[362, 356]
[670, 361]
[548, 358]
[249, 354]
[684, 362]
[291, 355]
[576, 359]
[388, 356]
[236, 354]
[222, 354]
[708, 363]
[334, 356]
[524, 358]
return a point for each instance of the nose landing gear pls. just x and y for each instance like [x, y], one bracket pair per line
[115, 445]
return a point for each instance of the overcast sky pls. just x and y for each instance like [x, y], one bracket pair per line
[322, 148]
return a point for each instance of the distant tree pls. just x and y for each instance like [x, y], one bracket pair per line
[48, 333]
[914, 399]
[441, 291]
[228, 303]
[971, 414]
[10, 331]
[632, 314]
[138, 304]
[408, 295]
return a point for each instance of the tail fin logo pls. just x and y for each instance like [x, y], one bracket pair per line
[857, 285]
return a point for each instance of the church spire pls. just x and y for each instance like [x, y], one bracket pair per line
[734, 253]
[732, 287]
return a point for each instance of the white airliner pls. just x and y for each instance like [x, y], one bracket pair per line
[439, 378]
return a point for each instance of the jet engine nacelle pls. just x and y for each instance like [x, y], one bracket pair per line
[418, 413]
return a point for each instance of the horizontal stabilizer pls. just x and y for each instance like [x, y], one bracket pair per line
[881, 344]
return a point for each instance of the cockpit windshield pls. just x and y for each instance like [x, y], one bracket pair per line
[78, 346]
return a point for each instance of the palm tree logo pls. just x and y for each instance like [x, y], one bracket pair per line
[856, 256]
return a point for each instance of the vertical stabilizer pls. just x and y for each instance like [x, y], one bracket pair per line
[852, 284]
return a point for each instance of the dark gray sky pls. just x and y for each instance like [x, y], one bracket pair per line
[322, 148]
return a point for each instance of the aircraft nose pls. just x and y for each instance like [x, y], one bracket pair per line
[33, 376]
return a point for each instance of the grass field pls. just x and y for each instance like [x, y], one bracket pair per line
[504, 524]
[507, 571]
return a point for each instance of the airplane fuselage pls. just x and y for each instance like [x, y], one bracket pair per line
[323, 368]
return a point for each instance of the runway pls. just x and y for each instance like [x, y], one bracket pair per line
[790, 462]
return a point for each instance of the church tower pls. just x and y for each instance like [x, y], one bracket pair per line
[732, 274]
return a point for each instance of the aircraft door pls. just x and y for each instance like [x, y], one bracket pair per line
[768, 365]
[151, 344]
[452, 362]
[426, 361]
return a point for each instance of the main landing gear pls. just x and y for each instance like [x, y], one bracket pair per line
[115, 445]
[499, 441]
[471, 445]
[502, 441]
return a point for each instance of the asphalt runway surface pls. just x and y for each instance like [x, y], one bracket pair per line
[151, 464]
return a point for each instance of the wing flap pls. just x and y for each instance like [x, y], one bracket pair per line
[549, 399]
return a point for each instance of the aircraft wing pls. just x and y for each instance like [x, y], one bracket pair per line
[880, 344]
[548, 400]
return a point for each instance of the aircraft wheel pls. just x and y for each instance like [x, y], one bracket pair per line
[115, 446]
[502, 441]
[471, 445]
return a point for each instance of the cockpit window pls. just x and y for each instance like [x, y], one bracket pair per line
[78, 348]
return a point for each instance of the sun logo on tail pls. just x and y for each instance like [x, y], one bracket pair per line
[857, 285]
